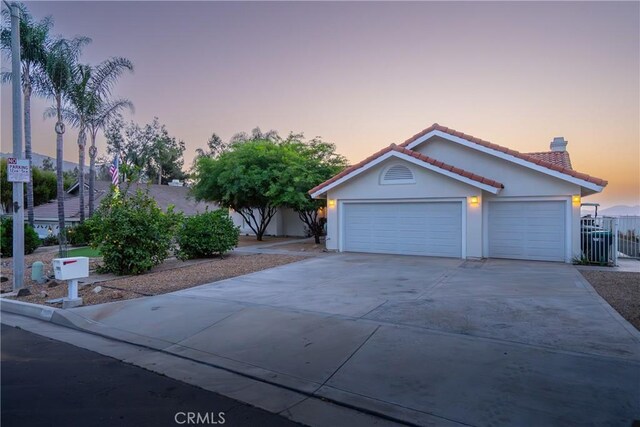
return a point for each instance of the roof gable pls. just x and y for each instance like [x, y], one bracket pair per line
[543, 162]
[413, 157]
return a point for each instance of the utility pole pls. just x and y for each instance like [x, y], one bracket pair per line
[18, 187]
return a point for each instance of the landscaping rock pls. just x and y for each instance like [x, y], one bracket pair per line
[43, 294]
[116, 295]
[23, 292]
[97, 289]
[3, 279]
[53, 284]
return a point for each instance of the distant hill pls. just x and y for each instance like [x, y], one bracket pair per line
[37, 160]
[621, 210]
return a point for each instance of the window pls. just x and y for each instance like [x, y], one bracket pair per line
[397, 174]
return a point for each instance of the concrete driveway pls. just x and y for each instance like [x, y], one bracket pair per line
[424, 340]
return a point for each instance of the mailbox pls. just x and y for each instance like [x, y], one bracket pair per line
[71, 268]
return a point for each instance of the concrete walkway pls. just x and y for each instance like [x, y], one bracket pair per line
[424, 341]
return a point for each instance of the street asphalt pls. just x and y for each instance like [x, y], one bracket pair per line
[50, 383]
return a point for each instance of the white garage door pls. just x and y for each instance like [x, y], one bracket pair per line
[432, 229]
[527, 230]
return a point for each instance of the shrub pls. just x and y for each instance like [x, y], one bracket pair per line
[132, 232]
[51, 240]
[206, 235]
[31, 239]
[80, 235]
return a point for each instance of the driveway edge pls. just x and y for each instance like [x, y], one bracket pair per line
[354, 413]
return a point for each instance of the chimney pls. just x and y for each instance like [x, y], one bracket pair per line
[559, 144]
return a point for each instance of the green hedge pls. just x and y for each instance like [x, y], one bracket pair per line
[132, 232]
[206, 235]
[31, 239]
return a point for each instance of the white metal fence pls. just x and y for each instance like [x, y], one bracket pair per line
[629, 236]
[599, 240]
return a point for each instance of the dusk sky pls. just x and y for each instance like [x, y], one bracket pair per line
[364, 75]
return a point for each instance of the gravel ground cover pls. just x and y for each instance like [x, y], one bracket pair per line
[304, 246]
[620, 289]
[251, 240]
[172, 275]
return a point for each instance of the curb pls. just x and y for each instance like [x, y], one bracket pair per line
[65, 318]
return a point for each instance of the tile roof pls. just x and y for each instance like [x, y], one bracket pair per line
[560, 158]
[165, 195]
[527, 157]
[414, 154]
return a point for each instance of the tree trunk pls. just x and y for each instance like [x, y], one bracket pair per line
[92, 173]
[316, 237]
[82, 137]
[59, 166]
[27, 150]
[259, 235]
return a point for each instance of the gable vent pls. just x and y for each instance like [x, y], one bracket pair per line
[397, 174]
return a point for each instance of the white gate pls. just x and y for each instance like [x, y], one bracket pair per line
[629, 236]
[599, 240]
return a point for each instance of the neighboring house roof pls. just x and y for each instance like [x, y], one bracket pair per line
[439, 167]
[560, 158]
[532, 158]
[164, 195]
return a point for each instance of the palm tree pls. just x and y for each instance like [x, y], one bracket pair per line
[106, 112]
[55, 81]
[89, 98]
[87, 102]
[34, 37]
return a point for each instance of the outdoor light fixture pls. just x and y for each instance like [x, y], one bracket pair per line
[331, 203]
[473, 200]
[50, 230]
[576, 200]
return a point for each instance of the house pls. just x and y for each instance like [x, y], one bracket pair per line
[284, 223]
[46, 215]
[445, 193]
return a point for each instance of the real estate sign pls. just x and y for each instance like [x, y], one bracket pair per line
[18, 170]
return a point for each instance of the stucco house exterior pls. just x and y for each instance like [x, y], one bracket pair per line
[446, 193]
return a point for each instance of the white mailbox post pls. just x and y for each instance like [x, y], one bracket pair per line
[71, 269]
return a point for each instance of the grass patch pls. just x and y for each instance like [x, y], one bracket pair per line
[87, 251]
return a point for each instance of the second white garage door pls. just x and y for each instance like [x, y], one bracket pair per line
[416, 228]
[527, 230]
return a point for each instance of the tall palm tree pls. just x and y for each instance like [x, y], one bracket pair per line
[34, 37]
[87, 102]
[55, 81]
[106, 112]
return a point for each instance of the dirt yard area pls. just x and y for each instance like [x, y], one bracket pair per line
[172, 275]
[308, 245]
[620, 289]
[251, 240]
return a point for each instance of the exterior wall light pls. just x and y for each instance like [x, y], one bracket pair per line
[473, 200]
[331, 203]
[576, 200]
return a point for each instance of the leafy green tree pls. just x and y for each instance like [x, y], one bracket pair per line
[215, 147]
[250, 178]
[34, 37]
[54, 81]
[317, 161]
[149, 149]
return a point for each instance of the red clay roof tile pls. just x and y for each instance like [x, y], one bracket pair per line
[554, 160]
[414, 154]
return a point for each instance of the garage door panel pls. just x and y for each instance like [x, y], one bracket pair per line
[415, 228]
[527, 230]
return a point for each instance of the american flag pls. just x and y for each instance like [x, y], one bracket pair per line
[114, 171]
